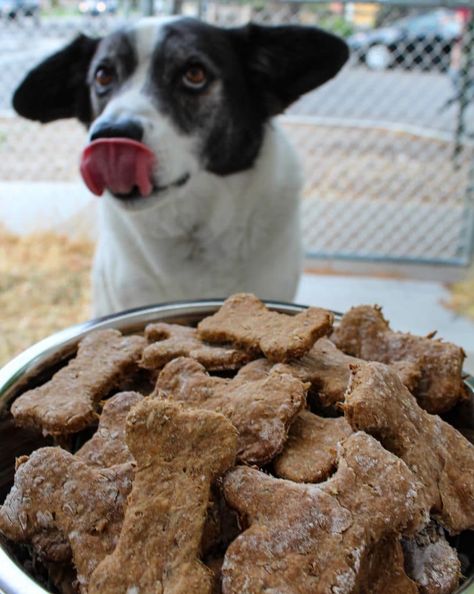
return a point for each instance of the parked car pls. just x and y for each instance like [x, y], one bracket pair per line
[11, 9]
[97, 7]
[423, 41]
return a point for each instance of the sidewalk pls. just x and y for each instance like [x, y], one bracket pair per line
[65, 207]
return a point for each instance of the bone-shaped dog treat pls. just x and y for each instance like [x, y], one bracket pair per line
[310, 454]
[364, 332]
[55, 491]
[327, 369]
[107, 446]
[431, 562]
[262, 410]
[443, 460]
[179, 454]
[246, 322]
[169, 341]
[68, 402]
[315, 539]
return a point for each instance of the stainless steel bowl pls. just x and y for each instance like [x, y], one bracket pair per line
[29, 369]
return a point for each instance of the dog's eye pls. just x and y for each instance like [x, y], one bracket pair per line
[104, 77]
[195, 77]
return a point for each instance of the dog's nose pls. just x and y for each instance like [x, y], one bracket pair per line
[118, 129]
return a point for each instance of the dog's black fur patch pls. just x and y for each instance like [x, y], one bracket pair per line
[231, 128]
[57, 88]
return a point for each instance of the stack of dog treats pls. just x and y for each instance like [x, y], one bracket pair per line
[272, 453]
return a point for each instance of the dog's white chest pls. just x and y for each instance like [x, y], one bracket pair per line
[210, 239]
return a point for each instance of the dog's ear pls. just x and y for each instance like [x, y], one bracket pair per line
[284, 62]
[57, 88]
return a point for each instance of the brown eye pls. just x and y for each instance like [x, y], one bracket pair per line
[104, 76]
[195, 77]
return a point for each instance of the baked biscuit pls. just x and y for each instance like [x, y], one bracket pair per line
[107, 446]
[245, 321]
[68, 402]
[310, 454]
[443, 460]
[169, 341]
[327, 369]
[363, 332]
[431, 562]
[261, 410]
[179, 454]
[56, 492]
[310, 539]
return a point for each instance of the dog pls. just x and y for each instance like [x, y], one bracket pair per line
[202, 189]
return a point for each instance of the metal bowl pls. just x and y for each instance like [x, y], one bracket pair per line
[31, 367]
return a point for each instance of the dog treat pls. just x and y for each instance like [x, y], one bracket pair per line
[431, 562]
[68, 402]
[443, 460]
[246, 322]
[179, 454]
[55, 491]
[310, 454]
[409, 373]
[261, 410]
[107, 446]
[364, 332]
[169, 341]
[327, 369]
[318, 538]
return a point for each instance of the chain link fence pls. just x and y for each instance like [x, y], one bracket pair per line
[387, 147]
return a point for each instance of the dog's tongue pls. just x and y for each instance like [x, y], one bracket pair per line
[119, 165]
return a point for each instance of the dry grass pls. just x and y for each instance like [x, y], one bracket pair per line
[462, 296]
[44, 287]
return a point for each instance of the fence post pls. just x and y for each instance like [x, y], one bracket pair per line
[147, 7]
[177, 6]
[466, 85]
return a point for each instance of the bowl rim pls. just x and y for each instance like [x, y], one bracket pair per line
[25, 366]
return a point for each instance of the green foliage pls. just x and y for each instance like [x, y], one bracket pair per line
[338, 25]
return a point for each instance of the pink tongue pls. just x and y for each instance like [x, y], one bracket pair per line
[118, 164]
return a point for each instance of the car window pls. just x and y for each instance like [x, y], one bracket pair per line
[422, 24]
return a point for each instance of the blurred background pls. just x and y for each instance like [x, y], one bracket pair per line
[387, 149]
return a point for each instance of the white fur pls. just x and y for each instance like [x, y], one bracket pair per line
[215, 235]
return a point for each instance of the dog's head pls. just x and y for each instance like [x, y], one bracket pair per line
[167, 98]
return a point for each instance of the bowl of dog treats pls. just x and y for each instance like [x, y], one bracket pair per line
[239, 447]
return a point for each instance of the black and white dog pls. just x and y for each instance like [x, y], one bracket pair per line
[202, 188]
